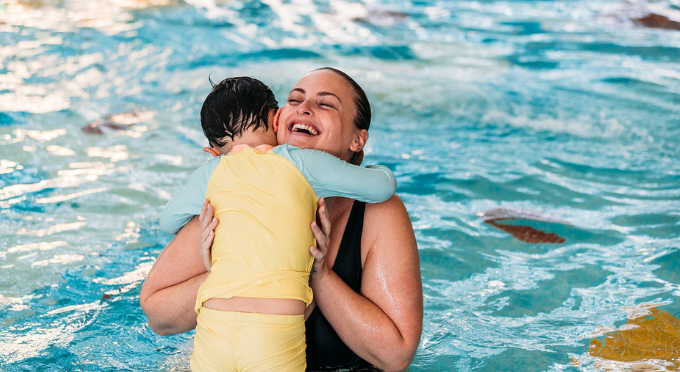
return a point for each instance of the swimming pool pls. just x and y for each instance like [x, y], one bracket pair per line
[568, 111]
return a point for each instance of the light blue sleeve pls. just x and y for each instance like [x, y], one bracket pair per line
[330, 176]
[189, 201]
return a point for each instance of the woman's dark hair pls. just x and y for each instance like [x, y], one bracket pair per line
[362, 119]
[235, 105]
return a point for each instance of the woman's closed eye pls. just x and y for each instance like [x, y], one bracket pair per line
[326, 104]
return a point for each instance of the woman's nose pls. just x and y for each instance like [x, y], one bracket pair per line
[303, 109]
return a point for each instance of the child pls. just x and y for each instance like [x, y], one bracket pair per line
[250, 308]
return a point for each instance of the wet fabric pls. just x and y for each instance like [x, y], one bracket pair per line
[324, 346]
[229, 341]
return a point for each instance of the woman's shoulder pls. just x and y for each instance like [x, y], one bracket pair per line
[384, 213]
[389, 221]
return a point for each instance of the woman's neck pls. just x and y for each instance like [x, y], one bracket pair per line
[336, 206]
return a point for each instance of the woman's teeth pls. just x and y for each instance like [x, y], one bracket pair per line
[305, 129]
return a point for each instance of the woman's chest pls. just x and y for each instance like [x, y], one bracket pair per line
[347, 236]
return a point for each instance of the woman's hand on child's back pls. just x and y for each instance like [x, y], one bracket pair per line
[322, 235]
[208, 225]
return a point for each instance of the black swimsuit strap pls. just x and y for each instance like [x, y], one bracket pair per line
[324, 346]
[348, 261]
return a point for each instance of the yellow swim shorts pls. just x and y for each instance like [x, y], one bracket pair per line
[248, 342]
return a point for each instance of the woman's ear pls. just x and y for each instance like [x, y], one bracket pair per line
[359, 140]
[212, 151]
[275, 124]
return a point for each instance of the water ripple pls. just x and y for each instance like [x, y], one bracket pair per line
[561, 109]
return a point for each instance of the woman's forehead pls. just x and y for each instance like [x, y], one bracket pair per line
[325, 81]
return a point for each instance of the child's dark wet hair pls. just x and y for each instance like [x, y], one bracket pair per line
[234, 106]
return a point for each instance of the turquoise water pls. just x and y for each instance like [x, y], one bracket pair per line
[564, 109]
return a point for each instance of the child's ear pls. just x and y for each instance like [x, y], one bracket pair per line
[275, 124]
[359, 141]
[212, 151]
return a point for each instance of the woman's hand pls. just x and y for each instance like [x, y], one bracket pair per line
[322, 235]
[208, 224]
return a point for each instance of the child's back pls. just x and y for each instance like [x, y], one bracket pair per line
[264, 206]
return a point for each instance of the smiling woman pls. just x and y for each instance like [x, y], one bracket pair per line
[306, 96]
[367, 305]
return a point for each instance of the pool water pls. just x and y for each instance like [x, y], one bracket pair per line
[563, 114]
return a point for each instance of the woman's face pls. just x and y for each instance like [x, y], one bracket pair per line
[319, 114]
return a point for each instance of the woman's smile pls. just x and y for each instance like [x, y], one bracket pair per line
[304, 128]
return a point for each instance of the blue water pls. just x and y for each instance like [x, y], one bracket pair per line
[564, 109]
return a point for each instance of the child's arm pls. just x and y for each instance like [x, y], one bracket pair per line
[189, 201]
[330, 176]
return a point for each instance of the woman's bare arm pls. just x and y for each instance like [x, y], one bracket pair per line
[169, 292]
[383, 324]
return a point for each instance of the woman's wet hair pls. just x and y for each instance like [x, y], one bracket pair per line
[234, 106]
[362, 118]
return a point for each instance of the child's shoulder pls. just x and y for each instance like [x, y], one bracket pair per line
[244, 146]
[209, 166]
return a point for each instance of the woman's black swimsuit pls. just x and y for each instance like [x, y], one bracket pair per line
[325, 349]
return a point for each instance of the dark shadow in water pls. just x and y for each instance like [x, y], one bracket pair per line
[116, 122]
[653, 20]
[528, 234]
[535, 228]
[103, 126]
[522, 232]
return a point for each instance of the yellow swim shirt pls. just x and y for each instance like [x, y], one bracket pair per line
[264, 206]
[265, 202]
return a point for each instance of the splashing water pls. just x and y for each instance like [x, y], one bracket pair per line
[566, 109]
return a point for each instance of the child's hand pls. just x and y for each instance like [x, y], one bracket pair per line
[322, 235]
[208, 224]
